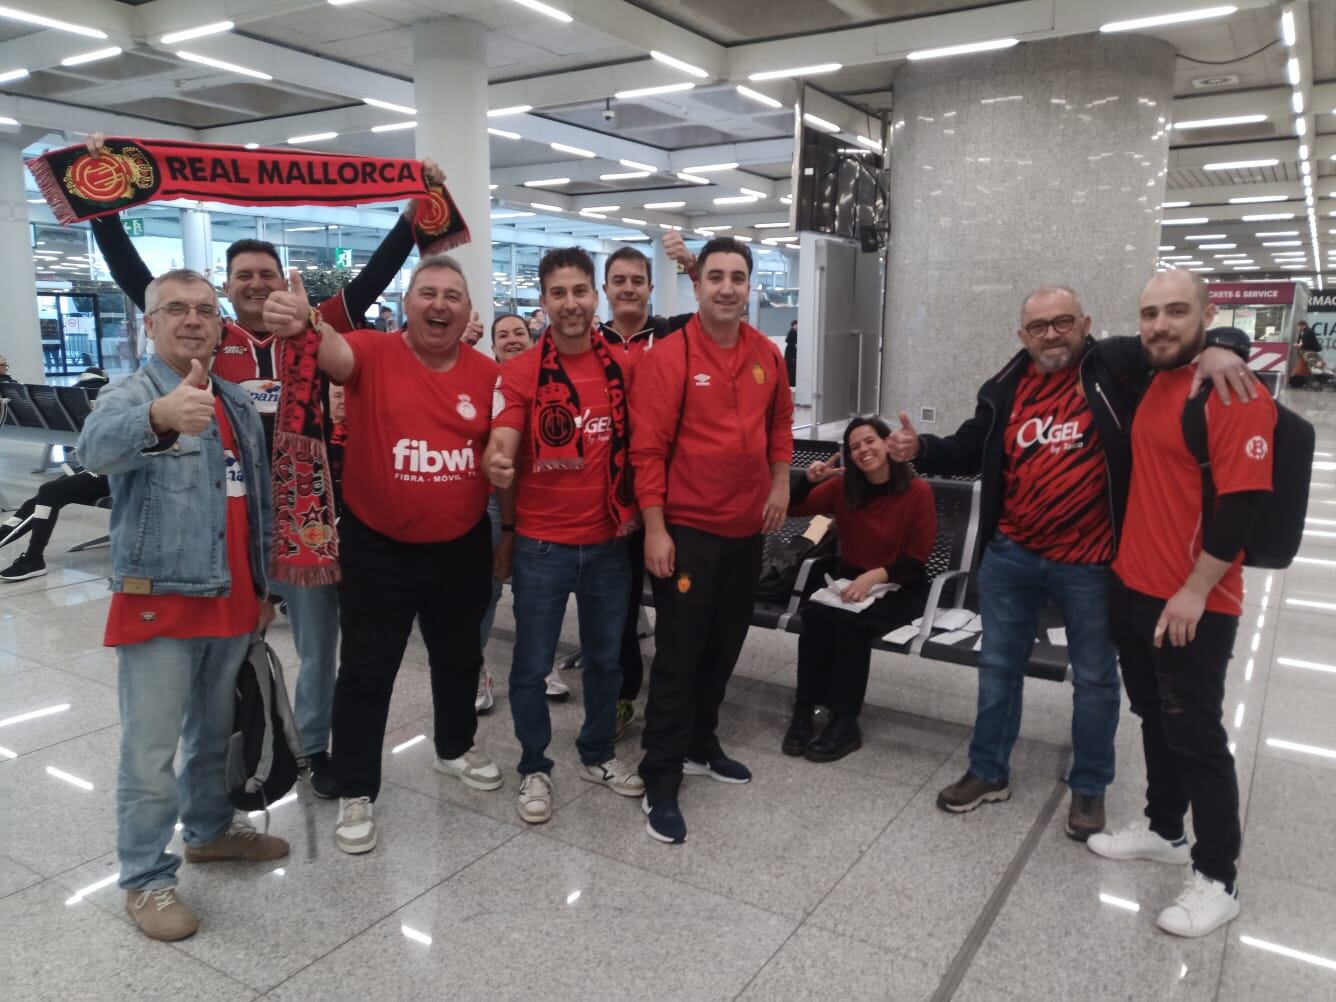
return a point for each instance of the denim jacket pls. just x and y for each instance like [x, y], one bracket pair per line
[169, 517]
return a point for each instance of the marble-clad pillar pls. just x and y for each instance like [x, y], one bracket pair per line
[1038, 165]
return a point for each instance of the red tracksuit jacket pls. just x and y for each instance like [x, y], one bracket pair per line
[706, 425]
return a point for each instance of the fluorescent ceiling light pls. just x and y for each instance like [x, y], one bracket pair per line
[1212, 123]
[759, 98]
[1165, 247]
[676, 88]
[1194, 221]
[602, 208]
[314, 137]
[1282, 243]
[678, 64]
[394, 127]
[218, 64]
[693, 178]
[1287, 28]
[632, 175]
[960, 50]
[664, 205]
[1297, 102]
[252, 146]
[797, 71]
[633, 222]
[1205, 236]
[6, 120]
[820, 123]
[1292, 71]
[592, 214]
[638, 166]
[1240, 164]
[736, 200]
[547, 182]
[1278, 233]
[50, 22]
[1250, 199]
[1163, 19]
[503, 134]
[91, 57]
[376, 102]
[511, 215]
[712, 229]
[1300, 127]
[1249, 267]
[1268, 217]
[1176, 257]
[204, 29]
[1174, 205]
[752, 191]
[9, 75]
[1216, 246]
[542, 8]
[514, 109]
[709, 168]
[573, 150]
[544, 207]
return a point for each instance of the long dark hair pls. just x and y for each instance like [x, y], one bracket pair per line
[858, 489]
[502, 316]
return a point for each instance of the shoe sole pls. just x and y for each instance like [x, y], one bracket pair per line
[1182, 860]
[621, 792]
[356, 849]
[654, 834]
[991, 797]
[165, 939]
[1076, 835]
[25, 577]
[473, 784]
[692, 769]
[832, 756]
[534, 821]
[483, 710]
[1199, 933]
[794, 751]
[558, 697]
[191, 858]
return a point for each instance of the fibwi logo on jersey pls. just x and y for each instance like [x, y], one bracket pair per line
[415, 460]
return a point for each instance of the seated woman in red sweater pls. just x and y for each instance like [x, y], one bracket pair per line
[887, 523]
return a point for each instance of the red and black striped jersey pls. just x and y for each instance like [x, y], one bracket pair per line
[1055, 484]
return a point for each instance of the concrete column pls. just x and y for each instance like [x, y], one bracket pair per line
[663, 300]
[1038, 165]
[197, 243]
[20, 337]
[450, 92]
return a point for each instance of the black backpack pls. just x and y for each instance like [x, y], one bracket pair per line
[1279, 529]
[264, 754]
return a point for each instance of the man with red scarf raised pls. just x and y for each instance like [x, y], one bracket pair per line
[712, 415]
[562, 413]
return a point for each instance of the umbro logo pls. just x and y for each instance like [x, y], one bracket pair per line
[702, 379]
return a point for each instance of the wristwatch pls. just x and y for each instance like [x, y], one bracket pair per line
[1229, 337]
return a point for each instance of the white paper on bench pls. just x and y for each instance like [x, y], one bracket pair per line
[901, 635]
[830, 595]
[954, 637]
[975, 625]
[1057, 636]
[949, 619]
[978, 644]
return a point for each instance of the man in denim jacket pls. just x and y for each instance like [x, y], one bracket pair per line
[190, 538]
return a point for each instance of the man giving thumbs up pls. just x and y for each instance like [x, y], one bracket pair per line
[191, 524]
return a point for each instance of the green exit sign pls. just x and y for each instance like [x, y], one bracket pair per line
[134, 227]
[343, 257]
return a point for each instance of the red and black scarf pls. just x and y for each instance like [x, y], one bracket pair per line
[128, 172]
[555, 425]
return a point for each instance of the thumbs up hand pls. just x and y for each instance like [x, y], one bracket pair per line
[188, 409]
[286, 313]
[904, 441]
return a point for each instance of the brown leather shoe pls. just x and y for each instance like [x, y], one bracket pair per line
[161, 914]
[1085, 817]
[240, 842]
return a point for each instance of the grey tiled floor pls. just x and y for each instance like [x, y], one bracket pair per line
[814, 882]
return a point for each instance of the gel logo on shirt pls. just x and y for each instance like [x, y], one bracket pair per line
[411, 455]
[264, 393]
[599, 427]
[236, 475]
[1041, 431]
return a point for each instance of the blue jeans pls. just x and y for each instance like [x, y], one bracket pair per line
[1013, 584]
[170, 691]
[494, 514]
[545, 576]
[314, 615]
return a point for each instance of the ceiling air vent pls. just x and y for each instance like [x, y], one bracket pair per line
[1219, 80]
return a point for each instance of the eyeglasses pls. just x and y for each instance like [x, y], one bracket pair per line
[1062, 325]
[205, 311]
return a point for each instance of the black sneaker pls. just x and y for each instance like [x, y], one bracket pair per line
[969, 791]
[663, 818]
[723, 768]
[323, 783]
[23, 568]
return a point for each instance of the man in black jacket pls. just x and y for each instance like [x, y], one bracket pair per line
[1050, 442]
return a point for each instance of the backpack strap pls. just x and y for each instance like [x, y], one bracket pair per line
[1194, 436]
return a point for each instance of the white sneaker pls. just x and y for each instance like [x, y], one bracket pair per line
[1203, 907]
[557, 690]
[535, 803]
[473, 768]
[484, 700]
[355, 831]
[618, 776]
[1139, 842]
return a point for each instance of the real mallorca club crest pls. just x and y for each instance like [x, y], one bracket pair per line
[465, 407]
[556, 421]
[433, 213]
[121, 175]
